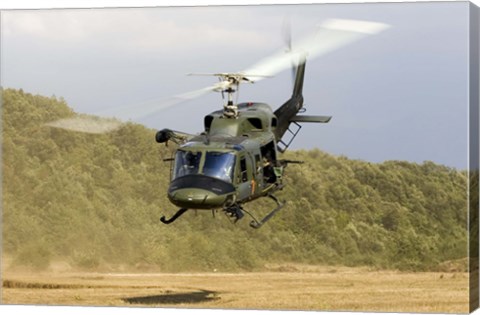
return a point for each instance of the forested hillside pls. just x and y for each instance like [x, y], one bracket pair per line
[94, 201]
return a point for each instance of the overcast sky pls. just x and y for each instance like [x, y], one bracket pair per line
[398, 95]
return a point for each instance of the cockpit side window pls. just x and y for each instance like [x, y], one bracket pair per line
[243, 170]
[219, 165]
[186, 163]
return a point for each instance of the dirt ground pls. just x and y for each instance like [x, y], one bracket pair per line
[283, 288]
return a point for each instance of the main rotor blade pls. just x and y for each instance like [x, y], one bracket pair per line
[152, 106]
[332, 34]
[111, 119]
[87, 124]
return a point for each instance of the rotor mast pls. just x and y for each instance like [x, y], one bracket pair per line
[230, 84]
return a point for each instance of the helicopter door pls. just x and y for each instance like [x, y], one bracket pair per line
[245, 178]
[258, 170]
[269, 163]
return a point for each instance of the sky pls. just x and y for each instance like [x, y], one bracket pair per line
[398, 95]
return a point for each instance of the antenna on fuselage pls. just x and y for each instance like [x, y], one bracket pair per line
[232, 86]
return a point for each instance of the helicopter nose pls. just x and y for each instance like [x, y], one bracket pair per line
[196, 198]
[199, 192]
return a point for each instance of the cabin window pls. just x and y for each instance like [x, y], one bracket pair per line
[274, 122]
[186, 163]
[208, 122]
[219, 165]
[243, 169]
[256, 123]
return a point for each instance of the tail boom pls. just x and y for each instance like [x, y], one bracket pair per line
[287, 113]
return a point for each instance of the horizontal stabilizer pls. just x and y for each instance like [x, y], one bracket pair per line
[311, 119]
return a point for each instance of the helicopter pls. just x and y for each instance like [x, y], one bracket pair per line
[236, 158]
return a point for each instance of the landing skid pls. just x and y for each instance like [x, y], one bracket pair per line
[256, 224]
[175, 216]
[237, 212]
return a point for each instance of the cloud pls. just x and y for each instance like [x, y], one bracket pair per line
[154, 30]
[49, 25]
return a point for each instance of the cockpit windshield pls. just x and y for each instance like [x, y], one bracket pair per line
[219, 165]
[186, 163]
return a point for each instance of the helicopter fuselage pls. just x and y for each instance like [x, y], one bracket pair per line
[233, 161]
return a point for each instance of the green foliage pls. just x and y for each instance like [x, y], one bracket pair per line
[95, 200]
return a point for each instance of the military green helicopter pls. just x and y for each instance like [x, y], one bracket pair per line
[236, 158]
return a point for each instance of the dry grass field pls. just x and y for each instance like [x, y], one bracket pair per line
[281, 288]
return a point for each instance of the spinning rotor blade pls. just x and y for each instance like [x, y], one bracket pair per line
[332, 34]
[150, 107]
[99, 125]
[87, 124]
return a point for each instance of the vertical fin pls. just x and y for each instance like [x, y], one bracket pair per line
[290, 108]
[300, 74]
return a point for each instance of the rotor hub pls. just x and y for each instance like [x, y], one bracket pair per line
[230, 108]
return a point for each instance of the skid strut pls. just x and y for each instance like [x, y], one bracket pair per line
[256, 224]
[175, 216]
